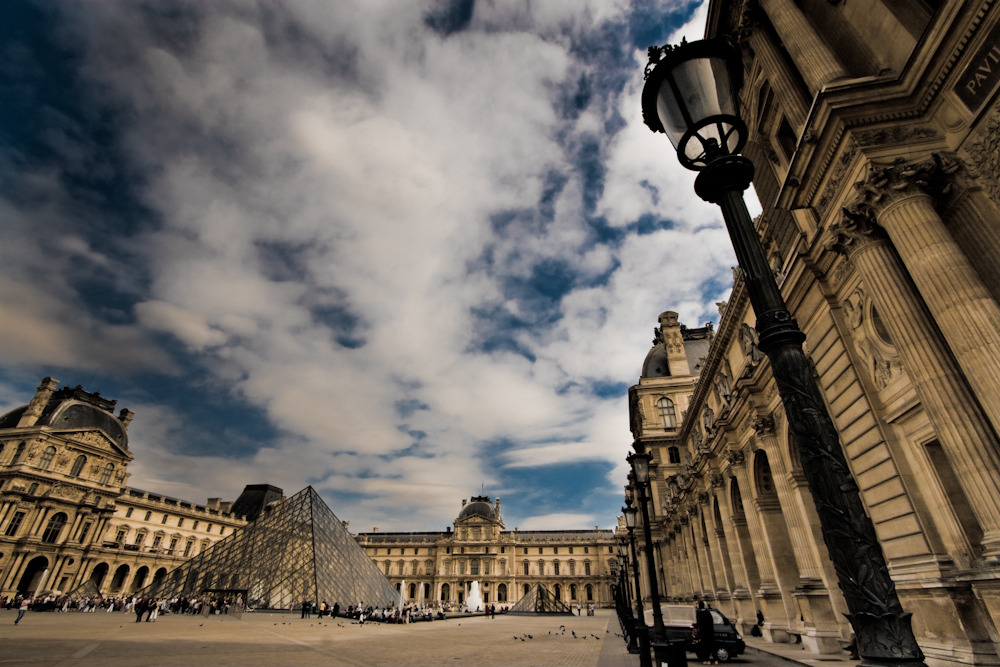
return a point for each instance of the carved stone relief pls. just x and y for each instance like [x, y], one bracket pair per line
[871, 341]
[985, 153]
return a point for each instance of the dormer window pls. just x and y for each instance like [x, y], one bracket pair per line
[668, 414]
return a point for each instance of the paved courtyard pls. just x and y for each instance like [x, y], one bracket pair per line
[49, 639]
[102, 639]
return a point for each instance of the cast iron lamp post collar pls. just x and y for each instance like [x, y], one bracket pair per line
[692, 95]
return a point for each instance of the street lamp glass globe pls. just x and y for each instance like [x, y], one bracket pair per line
[640, 465]
[630, 513]
[691, 95]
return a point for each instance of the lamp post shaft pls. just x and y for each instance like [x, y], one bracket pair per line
[654, 588]
[883, 631]
[645, 656]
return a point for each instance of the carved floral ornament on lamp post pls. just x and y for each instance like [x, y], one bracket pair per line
[691, 95]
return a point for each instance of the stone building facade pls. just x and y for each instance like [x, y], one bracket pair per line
[67, 518]
[432, 567]
[874, 130]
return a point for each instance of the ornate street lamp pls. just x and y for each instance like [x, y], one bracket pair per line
[640, 467]
[641, 631]
[691, 95]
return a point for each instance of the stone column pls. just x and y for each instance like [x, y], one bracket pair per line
[813, 58]
[15, 568]
[965, 432]
[794, 101]
[39, 521]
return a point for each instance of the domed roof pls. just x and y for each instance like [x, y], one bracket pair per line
[77, 410]
[657, 364]
[75, 415]
[478, 506]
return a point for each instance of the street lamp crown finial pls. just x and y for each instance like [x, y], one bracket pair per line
[656, 54]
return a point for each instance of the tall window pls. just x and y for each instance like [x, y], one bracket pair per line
[17, 453]
[55, 526]
[148, 514]
[525, 562]
[187, 548]
[556, 565]
[85, 531]
[673, 455]
[120, 537]
[78, 466]
[128, 513]
[667, 413]
[106, 474]
[586, 568]
[474, 567]
[47, 454]
[15, 523]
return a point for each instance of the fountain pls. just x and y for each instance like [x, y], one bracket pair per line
[474, 602]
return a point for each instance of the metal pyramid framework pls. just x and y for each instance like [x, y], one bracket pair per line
[539, 601]
[297, 549]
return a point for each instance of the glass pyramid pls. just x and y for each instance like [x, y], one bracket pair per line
[538, 600]
[296, 550]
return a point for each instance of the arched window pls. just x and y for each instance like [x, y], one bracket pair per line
[18, 452]
[445, 592]
[667, 413]
[590, 593]
[413, 591]
[81, 460]
[106, 474]
[55, 526]
[526, 589]
[47, 455]
[572, 591]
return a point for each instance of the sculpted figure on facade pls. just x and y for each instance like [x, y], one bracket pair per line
[750, 344]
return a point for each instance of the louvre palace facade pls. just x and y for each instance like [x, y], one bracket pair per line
[574, 566]
[874, 131]
[67, 519]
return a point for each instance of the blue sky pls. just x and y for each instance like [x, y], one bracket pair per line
[401, 251]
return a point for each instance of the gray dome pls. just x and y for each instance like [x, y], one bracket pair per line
[480, 506]
[656, 365]
[75, 415]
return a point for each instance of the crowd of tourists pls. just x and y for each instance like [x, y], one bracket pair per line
[150, 607]
[411, 613]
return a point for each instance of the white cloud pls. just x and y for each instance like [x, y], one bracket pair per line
[322, 180]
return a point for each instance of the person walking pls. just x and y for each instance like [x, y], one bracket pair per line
[22, 609]
[706, 635]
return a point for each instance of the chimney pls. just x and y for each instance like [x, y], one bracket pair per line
[213, 503]
[38, 402]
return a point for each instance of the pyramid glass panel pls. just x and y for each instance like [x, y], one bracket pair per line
[296, 550]
[538, 600]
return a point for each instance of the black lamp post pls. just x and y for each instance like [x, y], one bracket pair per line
[640, 466]
[623, 601]
[691, 95]
[641, 631]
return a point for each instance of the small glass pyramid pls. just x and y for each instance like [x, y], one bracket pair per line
[538, 600]
[296, 550]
